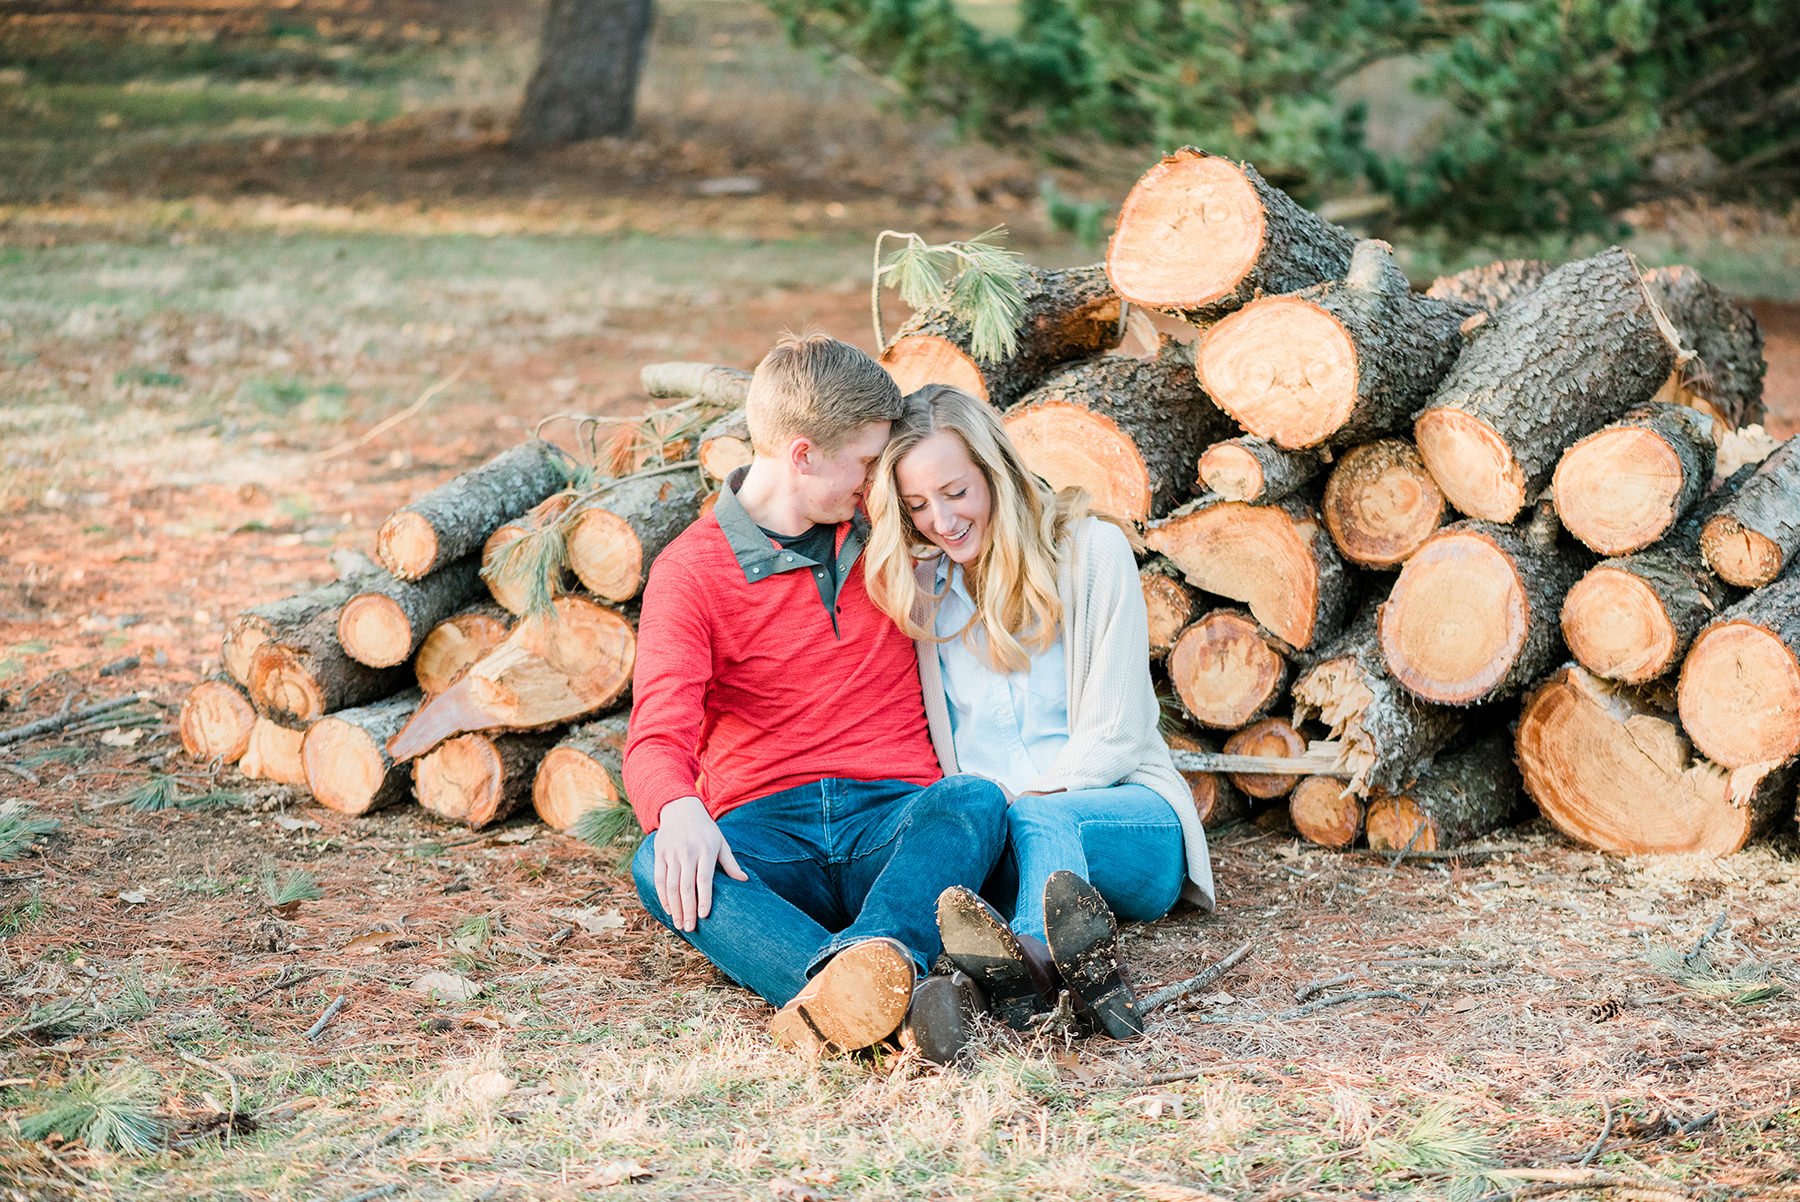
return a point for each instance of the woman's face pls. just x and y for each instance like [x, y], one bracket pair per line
[946, 494]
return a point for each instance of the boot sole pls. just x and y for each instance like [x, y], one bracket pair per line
[938, 1023]
[1083, 940]
[856, 1000]
[982, 946]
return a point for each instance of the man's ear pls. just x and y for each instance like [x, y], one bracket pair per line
[802, 455]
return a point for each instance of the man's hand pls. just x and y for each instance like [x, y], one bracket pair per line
[689, 845]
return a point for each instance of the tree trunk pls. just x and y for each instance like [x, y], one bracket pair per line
[385, 623]
[1725, 380]
[1489, 287]
[1620, 488]
[1381, 503]
[1740, 683]
[584, 771]
[216, 719]
[504, 564]
[1337, 363]
[273, 754]
[455, 519]
[1277, 559]
[725, 446]
[585, 84]
[345, 756]
[275, 621]
[1558, 363]
[1610, 769]
[1271, 737]
[1123, 429]
[1474, 614]
[308, 674]
[1326, 811]
[478, 780]
[1200, 235]
[1070, 314]
[1227, 671]
[1168, 602]
[1632, 619]
[551, 668]
[1753, 538]
[619, 529]
[1460, 796]
[1218, 801]
[1255, 469]
[457, 642]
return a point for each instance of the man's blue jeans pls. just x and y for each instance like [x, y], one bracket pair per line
[835, 862]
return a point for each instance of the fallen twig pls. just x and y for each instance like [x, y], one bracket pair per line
[1338, 999]
[1693, 1125]
[1169, 993]
[67, 717]
[1418, 833]
[230, 1119]
[381, 1141]
[20, 772]
[1605, 1134]
[285, 982]
[380, 1191]
[1302, 992]
[1557, 1181]
[337, 1004]
[1706, 938]
[388, 423]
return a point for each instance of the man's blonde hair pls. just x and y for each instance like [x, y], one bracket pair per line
[814, 386]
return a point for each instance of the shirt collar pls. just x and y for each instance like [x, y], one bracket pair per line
[758, 555]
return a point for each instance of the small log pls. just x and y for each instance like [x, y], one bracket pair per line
[457, 642]
[1122, 429]
[1219, 802]
[725, 446]
[1557, 363]
[273, 754]
[1227, 670]
[455, 519]
[308, 674]
[275, 621]
[1620, 488]
[384, 624]
[1255, 469]
[1269, 737]
[1069, 314]
[1609, 767]
[1725, 380]
[551, 668]
[1337, 363]
[1740, 684]
[1200, 235]
[1633, 618]
[477, 780]
[1326, 811]
[216, 720]
[345, 756]
[708, 383]
[615, 532]
[511, 589]
[1474, 614]
[584, 771]
[1277, 559]
[1754, 536]
[1459, 797]
[1490, 286]
[1168, 602]
[1381, 503]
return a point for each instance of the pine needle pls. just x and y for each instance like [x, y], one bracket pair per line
[611, 826]
[154, 795]
[298, 886]
[106, 1111]
[532, 563]
[20, 830]
[985, 293]
[1435, 1142]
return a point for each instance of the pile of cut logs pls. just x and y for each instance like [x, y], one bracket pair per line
[1412, 557]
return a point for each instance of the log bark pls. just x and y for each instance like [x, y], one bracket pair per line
[1227, 670]
[1557, 363]
[725, 446]
[308, 674]
[551, 668]
[1622, 487]
[1337, 363]
[1326, 811]
[1740, 684]
[507, 582]
[1123, 429]
[616, 532]
[1474, 615]
[1633, 618]
[1219, 802]
[1609, 767]
[1381, 503]
[273, 754]
[584, 771]
[1754, 536]
[455, 519]
[1725, 380]
[1493, 285]
[457, 642]
[345, 756]
[1200, 235]
[1271, 737]
[708, 383]
[1168, 602]
[215, 722]
[384, 624]
[1255, 469]
[275, 621]
[1277, 559]
[479, 779]
[1069, 314]
[1462, 795]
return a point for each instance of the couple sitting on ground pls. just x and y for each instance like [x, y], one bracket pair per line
[849, 727]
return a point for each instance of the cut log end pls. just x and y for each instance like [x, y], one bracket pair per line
[1169, 606]
[1187, 233]
[922, 359]
[374, 630]
[1261, 555]
[1471, 463]
[280, 683]
[273, 754]
[1074, 447]
[1739, 554]
[1381, 503]
[1456, 619]
[1740, 695]
[1232, 471]
[1217, 801]
[407, 545]
[1397, 822]
[462, 780]
[719, 457]
[605, 552]
[345, 768]
[1616, 626]
[1269, 737]
[1325, 812]
[1618, 489]
[215, 723]
[1284, 368]
[1225, 671]
[569, 784]
[453, 645]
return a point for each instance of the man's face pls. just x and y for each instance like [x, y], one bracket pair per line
[834, 484]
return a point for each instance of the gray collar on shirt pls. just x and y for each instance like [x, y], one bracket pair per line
[760, 556]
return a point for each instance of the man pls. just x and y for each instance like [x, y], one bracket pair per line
[778, 753]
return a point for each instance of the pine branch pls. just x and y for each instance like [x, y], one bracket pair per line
[105, 1111]
[19, 830]
[298, 886]
[986, 292]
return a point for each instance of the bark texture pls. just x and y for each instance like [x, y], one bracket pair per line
[585, 84]
[455, 519]
[308, 675]
[1753, 537]
[1255, 469]
[215, 721]
[705, 382]
[1491, 286]
[1726, 377]
[479, 779]
[385, 623]
[616, 532]
[345, 756]
[1620, 488]
[277, 620]
[1381, 503]
[1740, 684]
[584, 771]
[1459, 797]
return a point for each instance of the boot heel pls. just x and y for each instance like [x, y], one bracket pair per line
[1083, 938]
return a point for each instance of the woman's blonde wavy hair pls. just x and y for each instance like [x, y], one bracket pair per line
[1013, 580]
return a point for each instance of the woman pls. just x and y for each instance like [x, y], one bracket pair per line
[1034, 660]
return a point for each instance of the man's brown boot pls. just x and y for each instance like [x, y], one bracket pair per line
[941, 1020]
[856, 1000]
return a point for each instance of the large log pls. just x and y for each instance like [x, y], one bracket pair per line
[308, 674]
[1492, 285]
[1725, 380]
[1620, 488]
[551, 668]
[1168, 603]
[1277, 559]
[616, 531]
[457, 642]
[708, 383]
[1201, 235]
[1255, 469]
[1337, 363]
[1218, 802]
[1474, 615]
[1558, 362]
[479, 779]
[1381, 503]
[1609, 767]
[1068, 314]
[273, 754]
[1754, 536]
[1123, 429]
[1274, 737]
[1227, 670]
[1326, 811]
[455, 519]
[276, 621]
[385, 623]
[1459, 796]
[584, 771]
[1633, 618]
[215, 721]
[345, 756]
[504, 562]
[1740, 684]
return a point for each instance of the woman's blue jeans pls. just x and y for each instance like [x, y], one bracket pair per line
[835, 862]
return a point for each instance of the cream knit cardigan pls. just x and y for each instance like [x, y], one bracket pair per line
[1113, 736]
